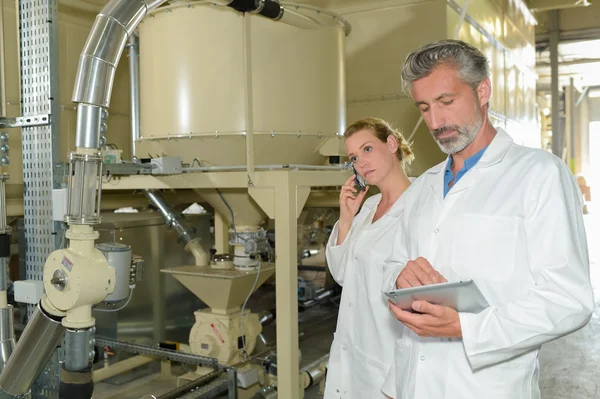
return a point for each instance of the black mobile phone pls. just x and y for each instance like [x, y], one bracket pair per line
[359, 181]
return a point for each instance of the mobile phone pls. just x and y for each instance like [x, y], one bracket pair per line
[359, 181]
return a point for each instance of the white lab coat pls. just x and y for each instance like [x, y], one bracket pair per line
[513, 223]
[363, 347]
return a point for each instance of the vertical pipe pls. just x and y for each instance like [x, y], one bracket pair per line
[134, 88]
[557, 134]
[7, 340]
[3, 227]
[7, 336]
[76, 374]
[78, 345]
[571, 113]
[248, 98]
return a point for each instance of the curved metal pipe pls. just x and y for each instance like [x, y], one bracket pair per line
[98, 63]
[175, 222]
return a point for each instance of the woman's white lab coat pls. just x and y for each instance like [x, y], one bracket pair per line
[363, 345]
[513, 224]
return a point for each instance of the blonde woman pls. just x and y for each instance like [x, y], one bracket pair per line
[362, 350]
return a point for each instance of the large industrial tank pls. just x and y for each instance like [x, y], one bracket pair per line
[210, 76]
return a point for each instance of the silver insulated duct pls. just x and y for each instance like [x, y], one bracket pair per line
[98, 64]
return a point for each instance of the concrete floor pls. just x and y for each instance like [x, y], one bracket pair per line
[569, 366]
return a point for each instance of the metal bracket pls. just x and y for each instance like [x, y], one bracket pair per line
[25, 121]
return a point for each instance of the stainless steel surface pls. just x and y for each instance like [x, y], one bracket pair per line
[266, 317]
[127, 13]
[160, 353]
[4, 228]
[79, 345]
[25, 121]
[119, 258]
[4, 273]
[103, 49]
[173, 219]
[557, 142]
[315, 371]
[35, 347]
[89, 119]
[59, 279]
[160, 308]
[134, 89]
[7, 335]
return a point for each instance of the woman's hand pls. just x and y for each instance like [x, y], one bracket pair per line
[349, 204]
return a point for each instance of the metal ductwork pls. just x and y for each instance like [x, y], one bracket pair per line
[98, 64]
[267, 8]
[40, 338]
[175, 222]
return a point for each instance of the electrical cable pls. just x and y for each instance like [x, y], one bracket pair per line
[120, 308]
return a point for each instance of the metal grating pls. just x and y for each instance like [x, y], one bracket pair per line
[38, 25]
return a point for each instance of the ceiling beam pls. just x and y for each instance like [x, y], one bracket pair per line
[573, 35]
[547, 5]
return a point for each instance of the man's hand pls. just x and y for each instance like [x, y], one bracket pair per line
[418, 272]
[431, 321]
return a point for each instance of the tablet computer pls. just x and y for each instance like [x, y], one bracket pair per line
[463, 296]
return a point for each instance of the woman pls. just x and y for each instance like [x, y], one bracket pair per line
[362, 349]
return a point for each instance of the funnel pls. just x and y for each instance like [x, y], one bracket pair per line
[223, 291]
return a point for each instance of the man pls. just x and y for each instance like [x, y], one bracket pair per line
[507, 216]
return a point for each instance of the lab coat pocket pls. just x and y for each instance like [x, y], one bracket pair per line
[484, 246]
[368, 375]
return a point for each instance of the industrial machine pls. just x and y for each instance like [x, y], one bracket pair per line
[239, 105]
[254, 164]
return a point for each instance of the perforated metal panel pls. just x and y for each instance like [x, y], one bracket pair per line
[39, 87]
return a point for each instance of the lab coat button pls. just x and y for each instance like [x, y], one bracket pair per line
[344, 348]
[345, 392]
[422, 358]
[436, 231]
[356, 258]
[350, 304]
[337, 390]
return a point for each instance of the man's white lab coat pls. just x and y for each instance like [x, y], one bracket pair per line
[514, 224]
[363, 346]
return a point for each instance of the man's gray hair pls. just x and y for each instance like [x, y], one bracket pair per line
[471, 64]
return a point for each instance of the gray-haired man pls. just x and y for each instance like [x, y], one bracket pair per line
[507, 216]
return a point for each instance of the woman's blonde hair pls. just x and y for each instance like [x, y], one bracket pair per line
[382, 131]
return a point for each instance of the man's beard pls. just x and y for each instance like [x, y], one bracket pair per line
[465, 135]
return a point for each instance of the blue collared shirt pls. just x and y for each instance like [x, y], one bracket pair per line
[469, 163]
